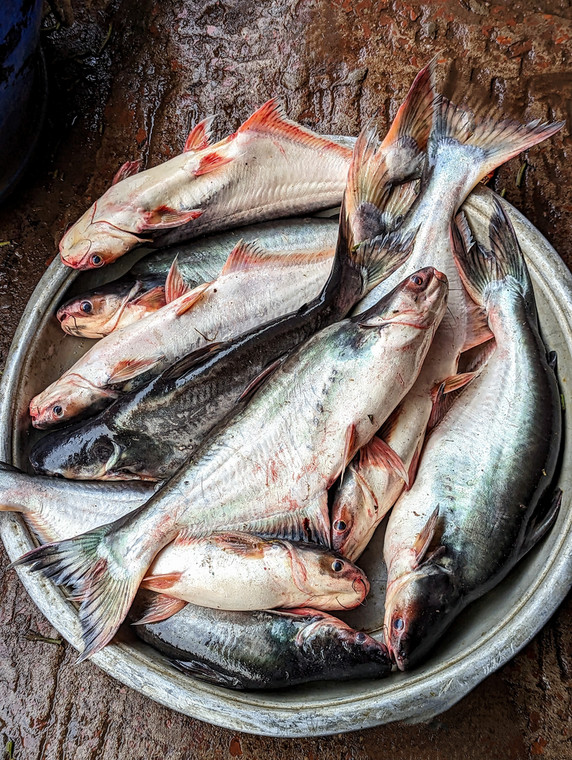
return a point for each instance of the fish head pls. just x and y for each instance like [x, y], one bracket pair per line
[92, 242]
[340, 580]
[95, 314]
[68, 397]
[78, 452]
[419, 301]
[418, 609]
[353, 513]
[341, 646]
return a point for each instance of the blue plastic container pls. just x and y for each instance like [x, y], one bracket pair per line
[22, 87]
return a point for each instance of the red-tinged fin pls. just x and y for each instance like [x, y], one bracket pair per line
[192, 360]
[165, 217]
[210, 162]
[187, 301]
[456, 382]
[502, 266]
[245, 257]
[253, 386]
[414, 464]
[127, 369]
[175, 285]
[242, 257]
[241, 544]
[152, 300]
[161, 582]
[349, 448]
[444, 395]
[105, 589]
[127, 170]
[199, 136]
[377, 453]
[425, 536]
[492, 141]
[415, 116]
[161, 607]
[270, 119]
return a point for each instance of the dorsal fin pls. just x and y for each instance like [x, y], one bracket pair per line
[126, 170]
[199, 136]
[175, 285]
[271, 119]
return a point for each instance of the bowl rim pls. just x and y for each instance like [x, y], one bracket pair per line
[427, 694]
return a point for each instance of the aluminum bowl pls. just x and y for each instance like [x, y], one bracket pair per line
[484, 637]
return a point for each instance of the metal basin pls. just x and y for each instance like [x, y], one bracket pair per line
[484, 637]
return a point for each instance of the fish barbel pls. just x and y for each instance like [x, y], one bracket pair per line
[142, 291]
[270, 167]
[268, 468]
[477, 504]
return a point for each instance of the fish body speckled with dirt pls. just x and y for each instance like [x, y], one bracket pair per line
[478, 502]
[260, 472]
[266, 650]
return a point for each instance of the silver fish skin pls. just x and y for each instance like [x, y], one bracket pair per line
[259, 172]
[55, 509]
[254, 287]
[266, 650]
[477, 504]
[260, 472]
[226, 571]
[142, 291]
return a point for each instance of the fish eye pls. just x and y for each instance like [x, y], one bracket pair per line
[58, 411]
[86, 307]
[337, 565]
[340, 525]
[96, 260]
[103, 449]
[416, 279]
[360, 637]
[398, 624]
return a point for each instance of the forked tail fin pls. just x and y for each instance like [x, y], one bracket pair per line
[104, 586]
[482, 270]
[487, 142]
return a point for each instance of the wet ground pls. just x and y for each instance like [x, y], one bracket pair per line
[126, 80]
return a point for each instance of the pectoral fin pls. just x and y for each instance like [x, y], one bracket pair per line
[165, 217]
[424, 537]
[126, 170]
[190, 299]
[379, 454]
[160, 608]
[129, 368]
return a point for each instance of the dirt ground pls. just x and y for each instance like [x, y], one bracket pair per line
[126, 80]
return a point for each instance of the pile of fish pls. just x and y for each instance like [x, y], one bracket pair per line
[278, 388]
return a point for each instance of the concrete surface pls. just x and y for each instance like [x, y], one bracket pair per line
[126, 79]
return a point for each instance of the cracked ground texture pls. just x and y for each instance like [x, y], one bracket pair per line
[126, 80]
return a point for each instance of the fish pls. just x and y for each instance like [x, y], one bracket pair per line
[481, 498]
[259, 172]
[54, 509]
[226, 571]
[266, 650]
[142, 291]
[268, 468]
[254, 287]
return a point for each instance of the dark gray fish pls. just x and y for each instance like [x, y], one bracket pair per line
[265, 650]
[479, 501]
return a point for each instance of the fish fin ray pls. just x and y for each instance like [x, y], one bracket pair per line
[415, 115]
[414, 464]
[540, 525]
[199, 136]
[186, 302]
[127, 369]
[210, 163]
[78, 564]
[378, 453]
[128, 169]
[192, 360]
[255, 384]
[241, 544]
[271, 119]
[154, 298]
[165, 217]
[175, 285]
[425, 536]
[161, 582]
[161, 607]
[207, 673]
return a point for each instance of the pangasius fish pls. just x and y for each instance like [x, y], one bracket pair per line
[266, 650]
[270, 167]
[142, 291]
[478, 502]
[268, 468]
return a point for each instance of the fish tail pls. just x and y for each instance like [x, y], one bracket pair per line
[480, 269]
[483, 141]
[97, 577]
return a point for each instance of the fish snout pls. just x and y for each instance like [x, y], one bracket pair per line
[361, 587]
